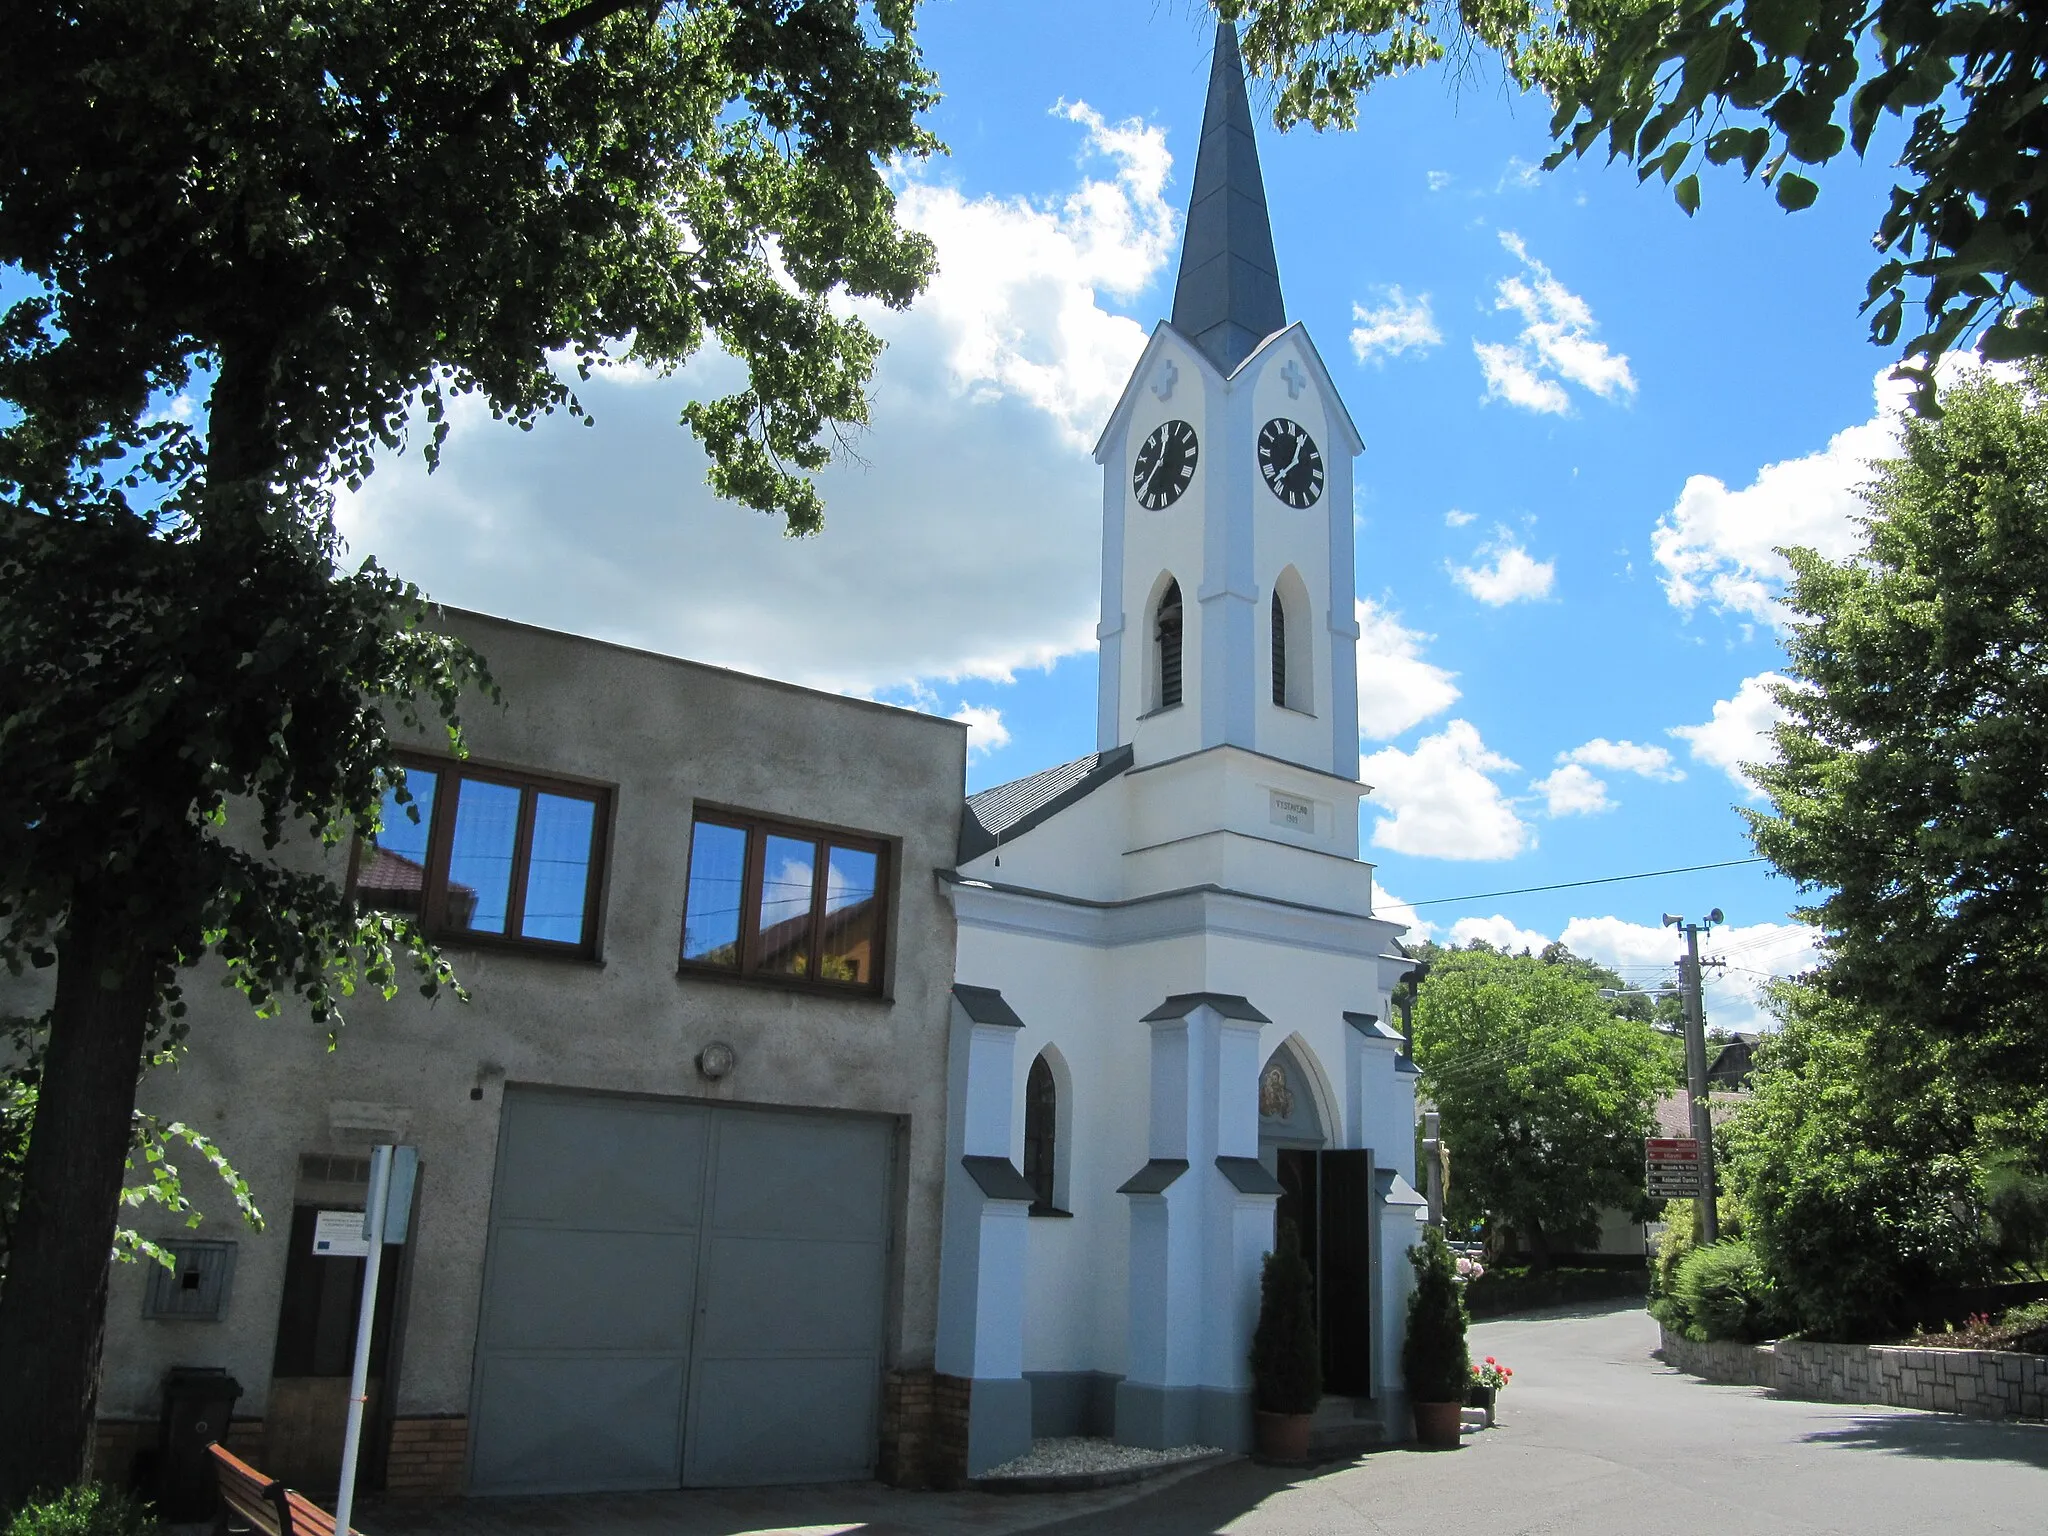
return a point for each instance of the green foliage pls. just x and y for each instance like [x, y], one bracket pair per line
[254, 242]
[1863, 1189]
[1720, 1292]
[93, 1510]
[1910, 789]
[1771, 86]
[1287, 1359]
[1545, 1093]
[2018, 1208]
[1434, 1361]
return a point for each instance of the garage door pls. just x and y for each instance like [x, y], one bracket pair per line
[679, 1294]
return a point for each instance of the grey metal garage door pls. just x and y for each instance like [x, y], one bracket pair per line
[679, 1294]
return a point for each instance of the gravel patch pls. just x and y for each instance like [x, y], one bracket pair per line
[1070, 1455]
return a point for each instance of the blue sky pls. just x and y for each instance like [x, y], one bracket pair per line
[1588, 419]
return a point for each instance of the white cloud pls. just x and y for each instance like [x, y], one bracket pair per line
[1520, 176]
[1397, 325]
[1499, 932]
[1556, 343]
[1439, 801]
[1625, 757]
[1754, 952]
[1738, 733]
[985, 729]
[1573, 791]
[1719, 546]
[964, 545]
[1396, 687]
[1391, 907]
[1438, 180]
[1504, 572]
[1456, 519]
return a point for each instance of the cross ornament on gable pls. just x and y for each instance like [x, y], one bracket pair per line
[1295, 380]
[1168, 377]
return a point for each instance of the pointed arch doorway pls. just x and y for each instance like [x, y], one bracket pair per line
[1326, 1192]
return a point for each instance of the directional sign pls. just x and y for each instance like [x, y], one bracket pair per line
[1671, 1165]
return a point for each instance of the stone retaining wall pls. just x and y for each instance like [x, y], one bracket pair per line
[1981, 1383]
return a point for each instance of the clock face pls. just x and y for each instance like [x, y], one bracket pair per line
[1291, 462]
[1166, 465]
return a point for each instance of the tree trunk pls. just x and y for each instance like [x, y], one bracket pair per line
[1539, 1245]
[53, 1307]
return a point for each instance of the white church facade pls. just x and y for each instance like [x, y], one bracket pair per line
[1172, 1017]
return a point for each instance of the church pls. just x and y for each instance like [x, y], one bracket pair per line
[1173, 999]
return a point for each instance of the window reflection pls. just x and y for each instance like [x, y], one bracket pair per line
[788, 870]
[393, 874]
[848, 950]
[558, 868]
[711, 919]
[480, 856]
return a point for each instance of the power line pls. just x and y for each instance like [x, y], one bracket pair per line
[1568, 885]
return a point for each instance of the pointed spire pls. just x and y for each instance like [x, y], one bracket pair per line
[1228, 297]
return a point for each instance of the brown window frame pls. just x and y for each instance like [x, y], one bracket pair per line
[433, 912]
[823, 836]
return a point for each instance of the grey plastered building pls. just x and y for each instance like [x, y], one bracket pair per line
[678, 1214]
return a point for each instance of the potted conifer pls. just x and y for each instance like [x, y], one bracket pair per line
[1434, 1361]
[1287, 1364]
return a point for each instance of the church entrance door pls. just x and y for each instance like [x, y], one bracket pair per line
[1328, 1197]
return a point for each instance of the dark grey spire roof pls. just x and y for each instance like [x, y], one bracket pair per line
[1227, 300]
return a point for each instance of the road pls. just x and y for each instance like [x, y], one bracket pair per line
[1596, 1437]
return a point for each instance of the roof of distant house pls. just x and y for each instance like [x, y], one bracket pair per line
[1674, 1115]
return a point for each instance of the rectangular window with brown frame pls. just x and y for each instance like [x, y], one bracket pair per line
[770, 901]
[496, 856]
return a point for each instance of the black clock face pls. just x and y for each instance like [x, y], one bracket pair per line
[1291, 462]
[1166, 465]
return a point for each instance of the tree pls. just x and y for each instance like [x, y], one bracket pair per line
[1861, 1186]
[1776, 86]
[1545, 1094]
[1910, 792]
[257, 238]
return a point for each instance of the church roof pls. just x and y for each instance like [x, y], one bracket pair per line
[1227, 299]
[1012, 809]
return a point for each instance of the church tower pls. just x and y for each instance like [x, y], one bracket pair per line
[1227, 584]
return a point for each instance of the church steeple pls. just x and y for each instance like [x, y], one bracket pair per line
[1227, 299]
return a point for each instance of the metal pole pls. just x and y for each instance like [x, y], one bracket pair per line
[359, 1377]
[1696, 1083]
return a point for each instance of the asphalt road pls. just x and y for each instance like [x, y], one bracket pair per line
[1596, 1437]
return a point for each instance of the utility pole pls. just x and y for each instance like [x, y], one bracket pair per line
[1696, 1066]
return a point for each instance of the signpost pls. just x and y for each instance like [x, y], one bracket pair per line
[1672, 1165]
[392, 1172]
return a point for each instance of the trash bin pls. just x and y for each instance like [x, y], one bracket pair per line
[198, 1402]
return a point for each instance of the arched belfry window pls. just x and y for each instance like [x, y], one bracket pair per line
[1166, 630]
[1293, 651]
[1041, 1134]
[1279, 650]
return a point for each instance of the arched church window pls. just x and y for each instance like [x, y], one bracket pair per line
[1041, 1132]
[1166, 634]
[1279, 650]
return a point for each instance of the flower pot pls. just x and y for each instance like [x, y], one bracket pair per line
[1437, 1424]
[1282, 1436]
[1482, 1397]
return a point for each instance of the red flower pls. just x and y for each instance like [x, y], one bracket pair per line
[1490, 1360]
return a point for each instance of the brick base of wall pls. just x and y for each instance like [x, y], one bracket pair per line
[429, 1457]
[116, 1443]
[1978, 1383]
[924, 1430]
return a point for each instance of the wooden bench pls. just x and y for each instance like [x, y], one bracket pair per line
[266, 1503]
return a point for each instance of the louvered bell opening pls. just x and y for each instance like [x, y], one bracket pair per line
[1169, 647]
[1279, 652]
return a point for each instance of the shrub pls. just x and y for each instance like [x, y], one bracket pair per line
[1287, 1360]
[1434, 1361]
[92, 1510]
[1723, 1292]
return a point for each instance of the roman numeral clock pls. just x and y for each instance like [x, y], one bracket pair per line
[1166, 465]
[1291, 462]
